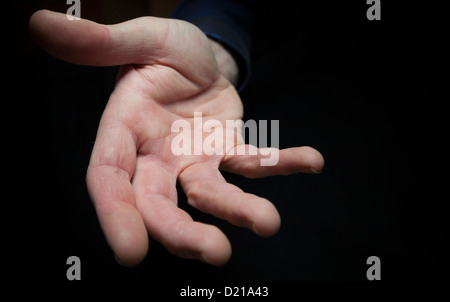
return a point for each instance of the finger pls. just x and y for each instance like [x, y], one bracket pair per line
[208, 191]
[146, 40]
[88, 43]
[282, 162]
[108, 180]
[171, 226]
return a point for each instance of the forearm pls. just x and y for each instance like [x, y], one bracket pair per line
[226, 63]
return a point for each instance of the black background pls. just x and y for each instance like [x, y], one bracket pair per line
[371, 96]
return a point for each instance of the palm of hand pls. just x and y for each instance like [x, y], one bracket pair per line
[150, 165]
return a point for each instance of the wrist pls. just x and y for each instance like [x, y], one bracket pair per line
[225, 61]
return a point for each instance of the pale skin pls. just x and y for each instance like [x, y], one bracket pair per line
[169, 70]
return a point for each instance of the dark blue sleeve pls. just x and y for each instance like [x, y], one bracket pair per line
[229, 22]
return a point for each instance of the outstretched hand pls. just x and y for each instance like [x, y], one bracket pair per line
[169, 71]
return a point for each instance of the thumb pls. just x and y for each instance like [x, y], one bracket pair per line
[88, 43]
[146, 40]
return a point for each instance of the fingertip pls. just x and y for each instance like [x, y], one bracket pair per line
[35, 23]
[266, 221]
[311, 159]
[130, 259]
[37, 15]
[46, 29]
[80, 42]
[216, 249]
[126, 235]
[197, 240]
[130, 255]
[39, 21]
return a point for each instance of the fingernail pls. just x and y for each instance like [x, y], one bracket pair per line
[315, 171]
[118, 261]
[204, 258]
[191, 202]
[255, 230]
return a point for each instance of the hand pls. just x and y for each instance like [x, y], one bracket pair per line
[169, 71]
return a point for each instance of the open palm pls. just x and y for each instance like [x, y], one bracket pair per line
[169, 71]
